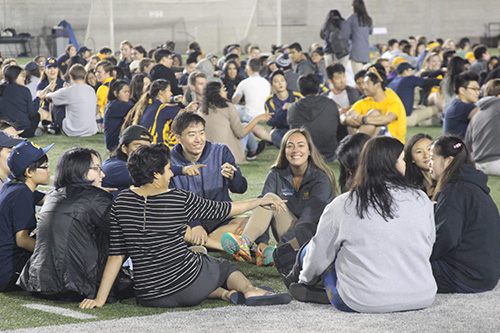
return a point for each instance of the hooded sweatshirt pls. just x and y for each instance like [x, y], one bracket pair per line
[482, 135]
[467, 246]
[320, 116]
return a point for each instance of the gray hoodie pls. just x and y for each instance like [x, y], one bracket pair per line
[320, 116]
[483, 133]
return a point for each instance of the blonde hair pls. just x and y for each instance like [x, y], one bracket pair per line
[492, 88]
[315, 159]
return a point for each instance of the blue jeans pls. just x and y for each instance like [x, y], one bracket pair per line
[277, 135]
[329, 277]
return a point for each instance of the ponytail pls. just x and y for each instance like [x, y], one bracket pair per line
[450, 146]
[135, 114]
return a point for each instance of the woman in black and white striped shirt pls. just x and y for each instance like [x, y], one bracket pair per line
[149, 222]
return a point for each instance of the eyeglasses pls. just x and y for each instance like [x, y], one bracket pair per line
[46, 166]
[96, 168]
[473, 88]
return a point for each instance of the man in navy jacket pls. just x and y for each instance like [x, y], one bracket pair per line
[218, 175]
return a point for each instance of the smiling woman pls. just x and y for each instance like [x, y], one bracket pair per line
[299, 176]
[417, 156]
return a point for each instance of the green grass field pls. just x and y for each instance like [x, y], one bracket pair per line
[15, 315]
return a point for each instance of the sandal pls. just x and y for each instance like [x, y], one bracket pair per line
[269, 299]
[239, 298]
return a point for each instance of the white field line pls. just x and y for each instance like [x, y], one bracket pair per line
[59, 311]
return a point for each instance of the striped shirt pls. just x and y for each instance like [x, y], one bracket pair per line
[151, 230]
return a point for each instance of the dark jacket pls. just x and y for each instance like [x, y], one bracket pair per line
[307, 204]
[72, 242]
[114, 116]
[320, 116]
[468, 231]
[16, 106]
[162, 72]
[210, 184]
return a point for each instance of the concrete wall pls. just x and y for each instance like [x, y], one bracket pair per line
[219, 22]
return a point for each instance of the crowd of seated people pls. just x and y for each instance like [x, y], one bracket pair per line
[179, 126]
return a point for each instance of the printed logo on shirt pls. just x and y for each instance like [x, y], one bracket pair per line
[286, 192]
[305, 196]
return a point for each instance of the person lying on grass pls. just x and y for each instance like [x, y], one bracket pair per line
[148, 223]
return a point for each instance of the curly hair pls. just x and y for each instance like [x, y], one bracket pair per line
[145, 161]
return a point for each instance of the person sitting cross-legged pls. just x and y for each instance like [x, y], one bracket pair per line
[148, 222]
[381, 112]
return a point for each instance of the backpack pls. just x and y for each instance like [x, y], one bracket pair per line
[339, 44]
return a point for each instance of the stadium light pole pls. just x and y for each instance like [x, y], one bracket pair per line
[111, 26]
[278, 23]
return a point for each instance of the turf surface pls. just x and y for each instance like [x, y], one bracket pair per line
[14, 315]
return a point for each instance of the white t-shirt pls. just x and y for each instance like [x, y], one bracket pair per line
[80, 101]
[341, 99]
[255, 89]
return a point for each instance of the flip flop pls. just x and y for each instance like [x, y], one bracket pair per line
[269, 299]
[239, 298]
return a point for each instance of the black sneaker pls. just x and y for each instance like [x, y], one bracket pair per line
[251, 155]
[310, 294]
[261, 146]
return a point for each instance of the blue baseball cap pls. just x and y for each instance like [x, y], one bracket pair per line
[51, 62]
[23, 155]
[9, 141]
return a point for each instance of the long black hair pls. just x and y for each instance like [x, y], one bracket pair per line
[456, 65]
[348, 153]
[333, 20]
[212, 97]
[360, 10]
[376, 173]
[115, 87]
[226, 79]
[136, 86]
[450, 146]
[413, 173]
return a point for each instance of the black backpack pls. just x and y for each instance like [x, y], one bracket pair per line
[339, 44]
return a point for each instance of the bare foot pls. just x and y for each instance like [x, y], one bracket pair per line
[226, 295]
[254, 291]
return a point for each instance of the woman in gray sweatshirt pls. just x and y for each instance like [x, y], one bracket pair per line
[373, 243]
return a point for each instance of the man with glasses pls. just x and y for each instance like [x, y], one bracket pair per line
[29, 168]
[463, 107]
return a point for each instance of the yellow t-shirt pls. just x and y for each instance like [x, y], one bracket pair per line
[102, 95]
[392, 103]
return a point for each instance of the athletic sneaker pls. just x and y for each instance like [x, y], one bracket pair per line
[236, 245]
[198, 248]
[265, 257]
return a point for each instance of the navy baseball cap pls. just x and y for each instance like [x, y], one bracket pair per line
[402, 67]
[23, 155]
[30, 66]
[83, 49]
[51, 62]
[7, 140]
[134, 132]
